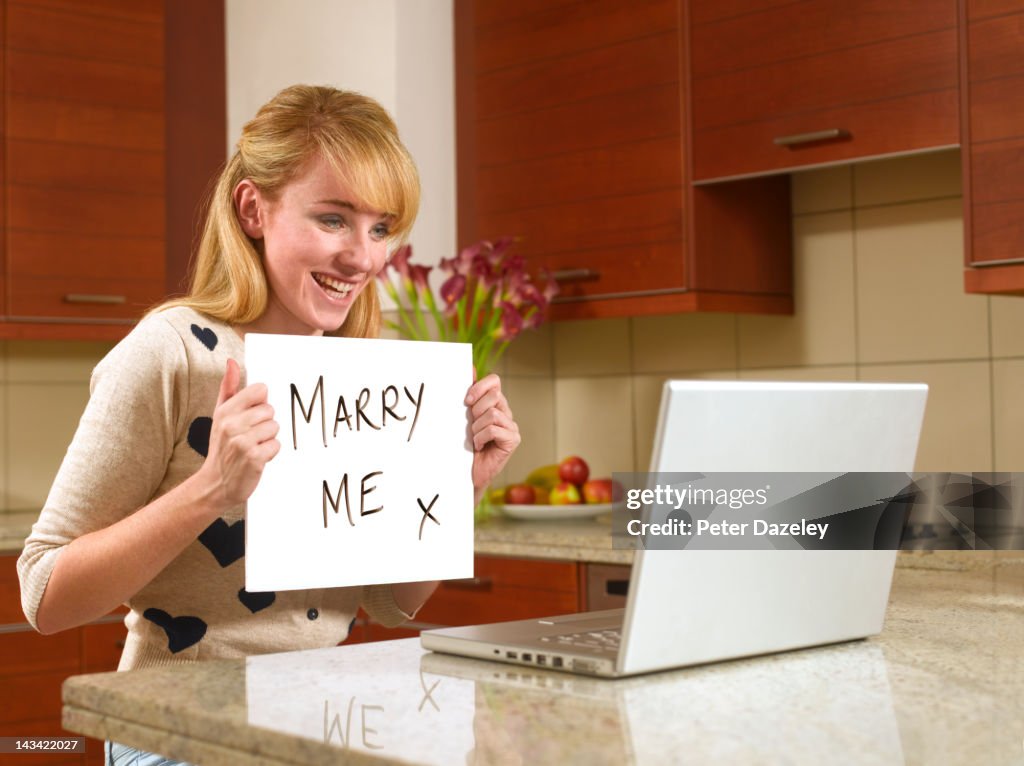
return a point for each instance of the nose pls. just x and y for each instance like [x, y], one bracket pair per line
[355, 254]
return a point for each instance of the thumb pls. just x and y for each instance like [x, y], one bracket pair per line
[229, 383]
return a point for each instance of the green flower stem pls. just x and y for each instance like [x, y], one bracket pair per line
[403, 318]
[414, 303]
[439, 322]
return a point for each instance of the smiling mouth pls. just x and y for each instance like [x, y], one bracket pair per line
[334, 288]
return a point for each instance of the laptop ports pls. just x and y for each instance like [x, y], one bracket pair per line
[556, 662]
[527, 657]
[542, 659]
[511, 655]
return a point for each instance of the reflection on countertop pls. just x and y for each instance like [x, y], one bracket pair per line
[944, 683]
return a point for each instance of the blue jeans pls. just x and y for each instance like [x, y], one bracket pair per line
[122, 755]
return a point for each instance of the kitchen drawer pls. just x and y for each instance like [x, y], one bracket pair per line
[10, 592]
[102, 644]
[883, 98]
[35, 696]
[26, 652]
[504, 589]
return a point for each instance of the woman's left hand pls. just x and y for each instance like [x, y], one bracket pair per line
[494, 430]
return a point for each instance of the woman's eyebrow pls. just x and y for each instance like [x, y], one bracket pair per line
[336, 202]
[348, 206]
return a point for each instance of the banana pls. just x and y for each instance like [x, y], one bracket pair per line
[546, 476]
[497, 495]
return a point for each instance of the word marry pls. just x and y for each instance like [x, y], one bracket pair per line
[389, 402]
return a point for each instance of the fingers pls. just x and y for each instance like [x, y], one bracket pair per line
[229, 383]
[498, 428]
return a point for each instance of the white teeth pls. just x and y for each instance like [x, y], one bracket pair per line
[334, 285]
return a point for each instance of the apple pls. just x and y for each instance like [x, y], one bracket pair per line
[597, 491]
[565, 493]
[520, 494]
[574, 470]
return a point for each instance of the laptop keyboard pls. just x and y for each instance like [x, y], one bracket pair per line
[595, 639]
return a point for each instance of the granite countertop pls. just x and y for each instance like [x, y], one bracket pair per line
[943, 683]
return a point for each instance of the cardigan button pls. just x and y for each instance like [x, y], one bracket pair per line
[312, 614]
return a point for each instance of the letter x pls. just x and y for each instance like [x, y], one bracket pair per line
[427, 514]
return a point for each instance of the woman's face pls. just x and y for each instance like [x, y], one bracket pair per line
[320, 251]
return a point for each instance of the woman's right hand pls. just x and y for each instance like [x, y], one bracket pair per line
[242, 440]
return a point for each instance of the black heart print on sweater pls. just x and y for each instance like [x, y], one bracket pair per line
[199, 435]
[182, 632]
[226, 542]
[206, 336]
[254, 602]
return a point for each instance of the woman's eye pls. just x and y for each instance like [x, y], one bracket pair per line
[332, 221]
[380, 231]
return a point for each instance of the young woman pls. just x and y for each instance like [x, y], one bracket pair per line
[147, 508]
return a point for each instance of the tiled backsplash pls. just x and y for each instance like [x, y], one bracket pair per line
[879, 296]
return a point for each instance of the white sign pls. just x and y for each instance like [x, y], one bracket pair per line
[373, 483]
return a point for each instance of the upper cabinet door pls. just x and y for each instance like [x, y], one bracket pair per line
[780, 85]
[994, 138]
[84, 159]
[573, 136]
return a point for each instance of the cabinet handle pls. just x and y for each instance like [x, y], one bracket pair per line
[471, 583]
[796, 139]
[576, 275]
[92, 298]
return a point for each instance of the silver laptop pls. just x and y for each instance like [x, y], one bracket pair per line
[695, 606]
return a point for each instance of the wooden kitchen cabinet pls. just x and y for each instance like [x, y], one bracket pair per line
[33, 667]
[500, 589]
[993, 155]
[573, 135]
[778, 86]
[114, 116]
[84, 147]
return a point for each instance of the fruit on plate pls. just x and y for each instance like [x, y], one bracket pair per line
[546, 476]
[541, 496]
[520, 494]
[496, 496]
[565, 493]
[597, 491]
[574, 470]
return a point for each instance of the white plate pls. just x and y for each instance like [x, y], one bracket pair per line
[556, 512]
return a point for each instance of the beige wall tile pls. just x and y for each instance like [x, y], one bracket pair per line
[533, 404]
[531, 353]
[53, 361]
[594, 419]
[906, 179]
[591, 347]
[1008, 414]
[647, 400]
[41, 419]
[814, 191]
[838, 374]
[911, 304]
[957, 433]
[683, 342]
[1007, 316]
[822, 329]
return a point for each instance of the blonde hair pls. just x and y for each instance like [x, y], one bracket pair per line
[360, 141]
